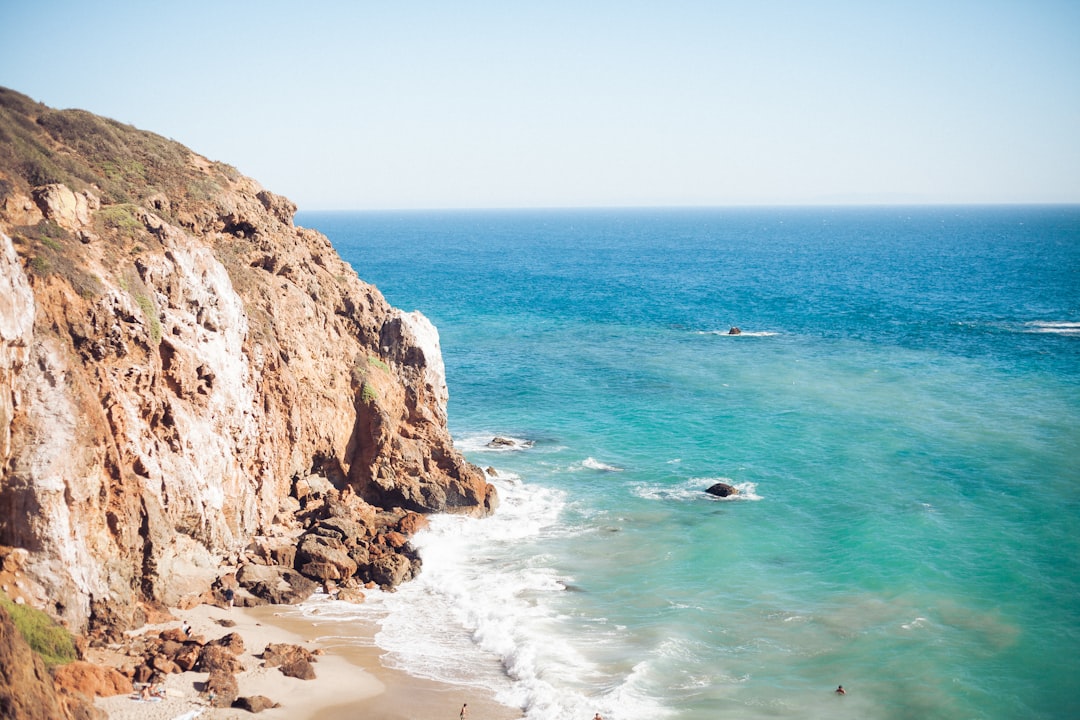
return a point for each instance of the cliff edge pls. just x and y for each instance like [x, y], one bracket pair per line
[187, 380]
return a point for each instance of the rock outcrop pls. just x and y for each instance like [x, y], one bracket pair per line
[187, 380]
[722, 489]
[27, 690]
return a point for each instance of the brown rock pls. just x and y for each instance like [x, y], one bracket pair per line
[722, 490]
[278, 653]
[187, 658]
[216, 657]
[277, 585]
[164, 665]
[223, 688]
[27, 690]
[389, 570]
[325, 558]
[255, 703]
[91, 680]
[298, 668]
[231, 642]
[351, 595]
[176, 635]
[412, 523]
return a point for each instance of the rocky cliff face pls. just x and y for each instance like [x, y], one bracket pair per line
[186, 375]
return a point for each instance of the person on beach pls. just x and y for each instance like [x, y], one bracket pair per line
[186, 627]
[464, 711]
[840, 690]
[229, 596]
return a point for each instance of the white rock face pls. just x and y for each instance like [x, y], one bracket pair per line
[16, 334]
[426, 337]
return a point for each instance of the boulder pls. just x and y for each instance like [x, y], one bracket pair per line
[389, 570]
[216, 657]
[412, 523]
[254, 704]
[277, 585]
[346, 530]
[721, 489]
[187, 658]
[325, 558]
[231, 642]
[298, 668]
[91, 680]
[222, 688]
[351, 595]
[277, 654]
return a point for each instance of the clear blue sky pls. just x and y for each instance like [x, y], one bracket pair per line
[406, 104]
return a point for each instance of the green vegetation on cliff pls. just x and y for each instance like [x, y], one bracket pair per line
[82, 150]
[44, 636]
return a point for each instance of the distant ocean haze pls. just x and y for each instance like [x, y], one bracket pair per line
[901, 415]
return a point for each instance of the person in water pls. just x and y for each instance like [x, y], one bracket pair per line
[840, 690]
[734, 331]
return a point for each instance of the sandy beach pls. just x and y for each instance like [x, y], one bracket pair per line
[350, 681]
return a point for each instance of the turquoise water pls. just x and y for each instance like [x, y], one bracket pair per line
[901, 414]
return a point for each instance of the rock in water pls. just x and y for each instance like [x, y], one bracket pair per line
[722, 490]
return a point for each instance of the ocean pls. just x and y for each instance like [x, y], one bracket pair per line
[901, 416]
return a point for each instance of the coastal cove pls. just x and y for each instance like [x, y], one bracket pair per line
[900, 416]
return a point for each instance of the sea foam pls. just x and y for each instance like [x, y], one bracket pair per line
[485, 613]
[693, 490]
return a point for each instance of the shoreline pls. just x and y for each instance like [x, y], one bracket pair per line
[350, 680]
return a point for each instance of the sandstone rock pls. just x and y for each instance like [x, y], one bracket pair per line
[412, 523]
[91, 680]
[163, 664]
[344, 529]
[176, 635]
[27, 691]
[325, 558]
[298, 668]
[389, 570]
[721, 489]
[255, 703]
[187, 658]
[231, 642]
[351, 595]
[223, 688]
[67, 209]
[276, 585]
[216, 657]
[282, 653]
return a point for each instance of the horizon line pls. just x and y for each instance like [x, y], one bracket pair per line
[731, 206]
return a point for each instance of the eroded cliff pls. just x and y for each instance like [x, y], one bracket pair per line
[187, 378]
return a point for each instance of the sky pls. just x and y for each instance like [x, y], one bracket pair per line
[408, 104]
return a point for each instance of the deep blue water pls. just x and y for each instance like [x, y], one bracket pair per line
[901, 413]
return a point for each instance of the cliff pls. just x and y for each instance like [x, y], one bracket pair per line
[188, 380]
